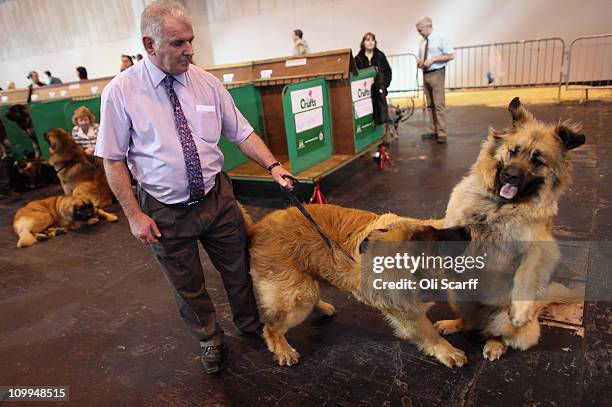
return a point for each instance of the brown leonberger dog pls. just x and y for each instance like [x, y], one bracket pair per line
[511, 195]
[81, 176]
[289, 259]
[46, 218]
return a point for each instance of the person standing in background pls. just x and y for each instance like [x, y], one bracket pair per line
[52, 80]
[434, 53]
[82, 73]
[34, 80]
[370, 55]
[300, 46]
[126, 62]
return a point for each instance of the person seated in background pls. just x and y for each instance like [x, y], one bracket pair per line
[126, 62]
[85, 130]
[10, 85]
[52, 80]
[370, 55]
[138, 57]
[300, 46]
[82, 73]
[34, 80]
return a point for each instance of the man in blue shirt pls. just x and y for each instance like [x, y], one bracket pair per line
[434, 53]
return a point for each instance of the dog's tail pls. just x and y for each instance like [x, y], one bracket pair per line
[249, 225]
[559, 294]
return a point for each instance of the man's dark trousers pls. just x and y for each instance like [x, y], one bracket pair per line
[217, 223]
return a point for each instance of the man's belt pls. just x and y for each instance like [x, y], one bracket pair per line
[434, 70]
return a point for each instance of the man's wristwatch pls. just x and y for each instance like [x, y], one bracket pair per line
[271, 166]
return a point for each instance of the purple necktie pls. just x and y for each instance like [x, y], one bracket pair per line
[190, 152]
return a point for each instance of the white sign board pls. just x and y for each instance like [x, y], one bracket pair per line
[308, 119]
[306, 99]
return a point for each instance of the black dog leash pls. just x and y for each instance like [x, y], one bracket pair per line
[296, 202]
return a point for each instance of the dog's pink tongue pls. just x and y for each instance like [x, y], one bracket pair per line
[508, 191]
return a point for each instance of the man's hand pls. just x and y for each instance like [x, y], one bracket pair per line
[428, 62]
[144, 228]
[420, 63]
[277, 175]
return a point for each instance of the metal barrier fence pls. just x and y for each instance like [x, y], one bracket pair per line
[589, 63]
[405, 75]
[507, 64]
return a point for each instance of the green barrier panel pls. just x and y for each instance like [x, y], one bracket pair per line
[45, 116]
[365, 130]
[307, 114]
[92, 103]
[248, 101]
[20, 142]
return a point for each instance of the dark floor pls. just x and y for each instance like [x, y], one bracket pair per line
[90, 310]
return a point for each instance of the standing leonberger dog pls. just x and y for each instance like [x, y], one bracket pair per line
[289, 260]
[81, 176]
[511, 195]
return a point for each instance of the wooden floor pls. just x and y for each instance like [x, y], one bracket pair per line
[92, 311]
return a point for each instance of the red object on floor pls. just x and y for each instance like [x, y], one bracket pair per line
[317, 196]
[384, 157]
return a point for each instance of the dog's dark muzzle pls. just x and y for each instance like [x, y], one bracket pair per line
[84, 213]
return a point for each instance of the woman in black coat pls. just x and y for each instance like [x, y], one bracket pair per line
[370, 55]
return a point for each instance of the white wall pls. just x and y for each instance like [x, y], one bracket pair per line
[341, 23]
[100, 60]
[332, 24]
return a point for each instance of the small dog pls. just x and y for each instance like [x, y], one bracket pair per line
[20, 114]
[288, 259]
[511, 195]
[49, 217]
[397, 115]
[80, 175]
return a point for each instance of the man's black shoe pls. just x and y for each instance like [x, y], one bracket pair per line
[213, 358]
[428, 136]
[256, 334]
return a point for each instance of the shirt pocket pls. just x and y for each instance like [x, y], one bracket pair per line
[208, 126]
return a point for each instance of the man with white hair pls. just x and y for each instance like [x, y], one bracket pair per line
[164, 117]
[434, 53]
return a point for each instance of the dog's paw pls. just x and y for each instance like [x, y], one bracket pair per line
[326, 308]
[448, 326]
[521, 313]
[112, 218]
[450, 356]
[41, 237]
[493, 349]
[60, 231]
[287, 357]
[93, 221]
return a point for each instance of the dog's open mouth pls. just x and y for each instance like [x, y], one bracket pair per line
[508, 191]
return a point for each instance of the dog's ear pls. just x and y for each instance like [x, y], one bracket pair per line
[519, 113]
[569, 136]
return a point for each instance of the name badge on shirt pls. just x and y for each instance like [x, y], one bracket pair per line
[205, 108]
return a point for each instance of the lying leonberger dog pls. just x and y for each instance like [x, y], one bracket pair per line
[511, 195]
[289, 259]
[80, 175]
[46, 218]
